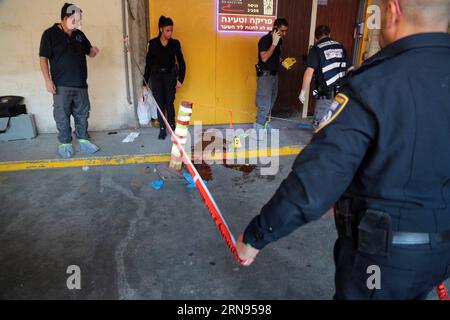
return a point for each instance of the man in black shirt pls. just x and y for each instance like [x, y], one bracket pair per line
[64, 48]
[269, 51]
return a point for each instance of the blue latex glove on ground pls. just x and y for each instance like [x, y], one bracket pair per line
[190, 180]
[157, 184]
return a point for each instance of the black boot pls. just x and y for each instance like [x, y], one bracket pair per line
[162, 134]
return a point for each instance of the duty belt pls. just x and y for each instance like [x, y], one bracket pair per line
[163, 70]
[353, 225]
[326, 94]
[265, 73]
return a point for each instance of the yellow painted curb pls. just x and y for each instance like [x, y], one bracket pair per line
[12, 166]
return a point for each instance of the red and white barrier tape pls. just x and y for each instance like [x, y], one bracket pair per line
[442, 293]
[204, 192]
[208, 198]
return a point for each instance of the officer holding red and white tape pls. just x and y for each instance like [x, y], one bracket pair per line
[383, 151]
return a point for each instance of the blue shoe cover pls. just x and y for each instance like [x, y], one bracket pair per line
[66, 151]
[88, 147]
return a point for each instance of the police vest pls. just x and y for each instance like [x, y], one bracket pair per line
[333, 65]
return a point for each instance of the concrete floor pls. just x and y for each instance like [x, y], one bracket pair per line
[132, 242]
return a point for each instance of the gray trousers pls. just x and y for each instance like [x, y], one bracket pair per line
[71, 102]
[322, 107]
[266, 95]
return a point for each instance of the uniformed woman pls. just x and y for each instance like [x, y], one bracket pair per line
[165, 71]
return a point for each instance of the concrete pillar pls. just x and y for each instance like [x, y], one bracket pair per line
[138, 25]
[312, 30]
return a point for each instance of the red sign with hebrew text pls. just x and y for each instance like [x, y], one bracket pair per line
[246, 15]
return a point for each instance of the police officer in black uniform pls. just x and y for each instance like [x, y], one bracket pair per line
[328, 63]
[269, 58]
[165, 71]
[383, 152]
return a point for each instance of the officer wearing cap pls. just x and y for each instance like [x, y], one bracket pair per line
[328, 63]
[382, 153]
[269, 58]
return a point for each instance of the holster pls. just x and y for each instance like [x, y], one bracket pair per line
[370, 230]
[328, 93]
[345, 220]
[375, 233]
[258, 71]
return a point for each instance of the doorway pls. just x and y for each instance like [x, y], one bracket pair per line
[343, 21]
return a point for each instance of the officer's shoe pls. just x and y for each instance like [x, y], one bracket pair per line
[162, 134]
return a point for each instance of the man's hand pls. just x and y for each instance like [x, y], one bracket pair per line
[275, 38]
[302, 97]
[50, 87]
[246, 252]
[94, 52]
[179, 84]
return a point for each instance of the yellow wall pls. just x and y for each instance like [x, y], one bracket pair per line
[220, 67]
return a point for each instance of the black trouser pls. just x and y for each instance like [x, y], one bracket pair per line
[408, 272]
[164, 90]
[71, 102]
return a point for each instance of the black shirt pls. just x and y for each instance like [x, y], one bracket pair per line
[67, 56]
[313, 60]
[165, 57]
[264, 45]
